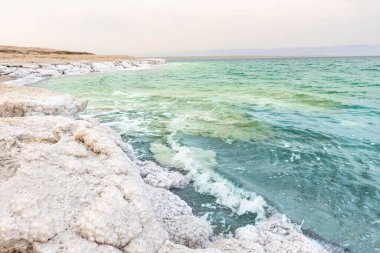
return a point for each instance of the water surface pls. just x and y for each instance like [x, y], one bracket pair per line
[261, 136]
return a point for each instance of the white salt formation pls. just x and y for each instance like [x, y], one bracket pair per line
[161, 177]
[27, 101]
[33, 72]
[70, 185]
[64, 175]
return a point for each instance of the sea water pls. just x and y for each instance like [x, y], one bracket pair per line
[299, 137]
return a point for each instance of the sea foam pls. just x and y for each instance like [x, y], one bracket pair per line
[199, 163]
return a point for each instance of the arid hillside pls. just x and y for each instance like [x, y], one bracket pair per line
[35, 54]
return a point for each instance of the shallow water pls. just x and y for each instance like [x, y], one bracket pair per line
[295, 136]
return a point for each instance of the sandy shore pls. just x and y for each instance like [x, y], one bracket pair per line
[46, 55]
[72, 185]
[30, 65]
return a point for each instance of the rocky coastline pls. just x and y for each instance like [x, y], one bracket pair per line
[72, 185]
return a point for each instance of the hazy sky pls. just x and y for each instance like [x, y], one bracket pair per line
[154, 27]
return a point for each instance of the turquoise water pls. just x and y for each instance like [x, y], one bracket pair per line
[261, 136]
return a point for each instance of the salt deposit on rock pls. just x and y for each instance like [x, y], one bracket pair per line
[170, 247]
[70, 242]
[177, 218]
[26, 101]
[69, 176]
[161, 177]
[276, 235]
[28, 72]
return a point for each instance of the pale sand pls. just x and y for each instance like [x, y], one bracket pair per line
[44, 55]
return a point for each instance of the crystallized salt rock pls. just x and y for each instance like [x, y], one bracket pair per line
[27, 101]
[276, 235]
[150, 240]
[177, 218]
[72, 68]
[233, 245]
[110, 220]
[49, 72]
[70, 242]
[161, 177]
[65, 182]
[170, 247]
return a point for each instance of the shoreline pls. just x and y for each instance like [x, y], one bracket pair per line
[177, 227]
[29, 73]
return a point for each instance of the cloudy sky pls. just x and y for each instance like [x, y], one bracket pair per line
[154, 27]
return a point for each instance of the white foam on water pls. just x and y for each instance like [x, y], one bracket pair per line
[199, 164]
[276, 234]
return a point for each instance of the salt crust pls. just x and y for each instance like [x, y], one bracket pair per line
[38, 71]
[28, 101]
[60, 175]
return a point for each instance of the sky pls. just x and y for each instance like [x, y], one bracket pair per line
[159, 27]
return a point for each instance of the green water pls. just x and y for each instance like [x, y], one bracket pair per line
[295, 136]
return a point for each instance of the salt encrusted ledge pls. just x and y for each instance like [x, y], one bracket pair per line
[27, 101]
[34, 72]
[70, 185]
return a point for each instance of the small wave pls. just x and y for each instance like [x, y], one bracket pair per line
[199, 164]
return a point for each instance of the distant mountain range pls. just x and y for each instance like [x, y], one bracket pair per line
[349, 50]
